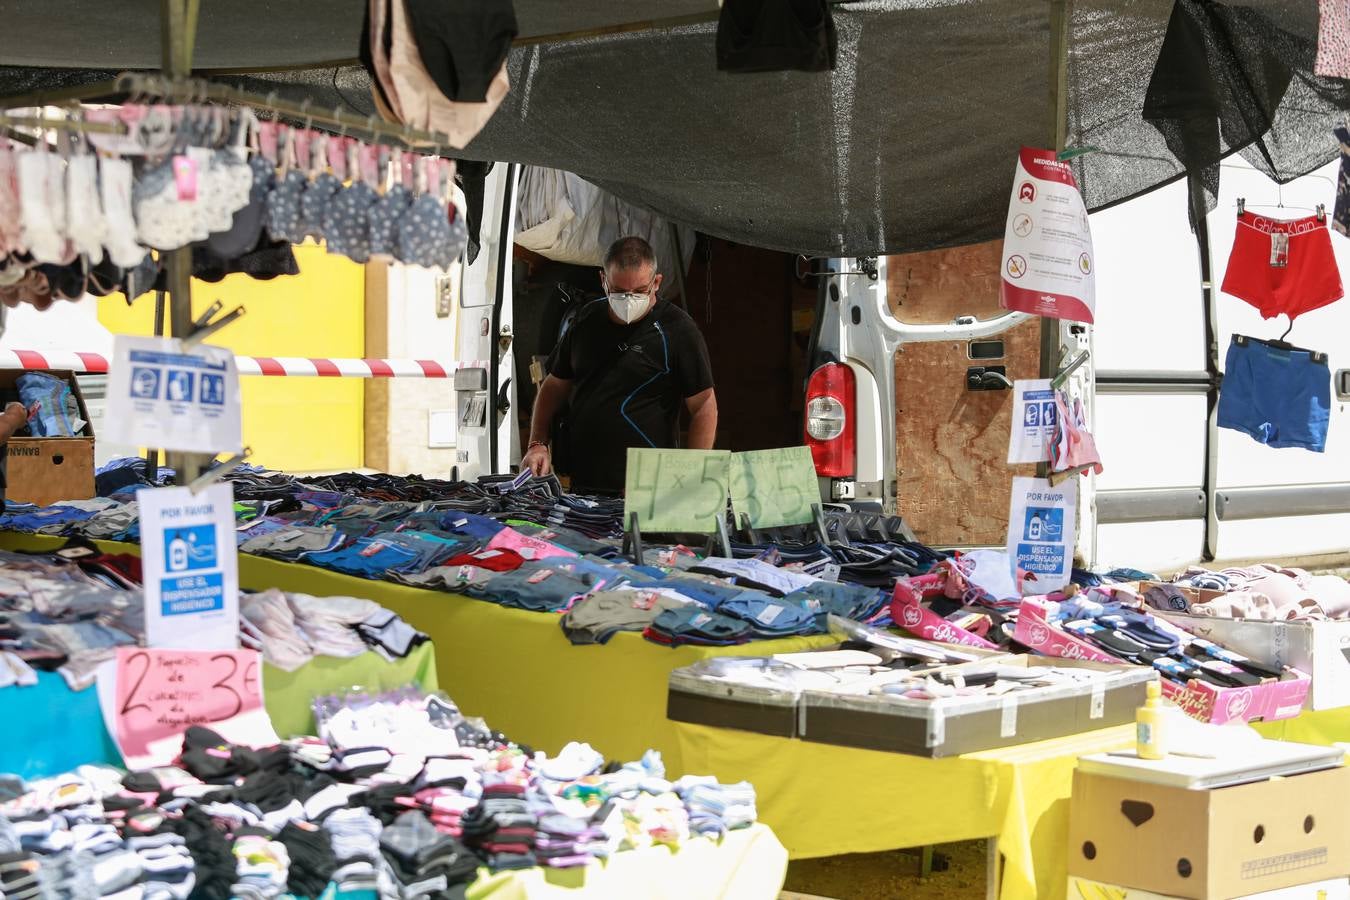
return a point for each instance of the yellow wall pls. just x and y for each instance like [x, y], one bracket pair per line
[293, 424]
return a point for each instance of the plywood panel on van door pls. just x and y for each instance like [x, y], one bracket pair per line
[951, 442]
[937, 286]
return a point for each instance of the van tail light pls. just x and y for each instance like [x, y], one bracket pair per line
[831, 398]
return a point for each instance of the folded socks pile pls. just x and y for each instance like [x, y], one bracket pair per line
[502, 827]
[716, 808]
[423, 859]
[562, 842]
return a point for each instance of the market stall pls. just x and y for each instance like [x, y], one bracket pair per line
[510, 661]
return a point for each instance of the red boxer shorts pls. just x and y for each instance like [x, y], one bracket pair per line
[1307, 279]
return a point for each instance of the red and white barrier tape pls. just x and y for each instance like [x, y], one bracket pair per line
[97, 364]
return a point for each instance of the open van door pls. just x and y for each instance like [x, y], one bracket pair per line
[486, 438]
[914, 361]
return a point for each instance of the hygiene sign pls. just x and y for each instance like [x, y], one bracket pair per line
[1048, 265]
[1041, 531]
[1033, 421]
[162, 394]
[190, 567]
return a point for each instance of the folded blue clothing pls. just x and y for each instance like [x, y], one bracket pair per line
[690, 624]
[851, 601]
[261, 526]
[53, 409]
[710, 594]
[770, 616]
[464, 524]
[373, 557]
[322, 499]
[538, 585]
[606, 577]
[31, 521]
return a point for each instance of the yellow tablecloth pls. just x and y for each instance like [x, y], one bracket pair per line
[288, 695]
[1325, 727]
[749, 864]
[823, 800]
[515, 668]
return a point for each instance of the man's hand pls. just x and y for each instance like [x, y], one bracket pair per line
[538, 460]
[11, 420]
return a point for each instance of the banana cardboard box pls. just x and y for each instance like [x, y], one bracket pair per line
[1082, 889]
[1239, 841]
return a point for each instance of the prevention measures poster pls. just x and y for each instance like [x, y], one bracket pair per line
[1033, 421]
[1042, 531]
[161, 394]
[1048, 265]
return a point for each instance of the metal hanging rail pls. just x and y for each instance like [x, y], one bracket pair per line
[135, 85]
[59, 124]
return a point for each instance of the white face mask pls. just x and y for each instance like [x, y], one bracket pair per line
[629, 307]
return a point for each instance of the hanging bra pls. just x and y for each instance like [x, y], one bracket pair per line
[420, 99]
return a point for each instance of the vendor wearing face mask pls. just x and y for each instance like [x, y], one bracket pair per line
[627, 365]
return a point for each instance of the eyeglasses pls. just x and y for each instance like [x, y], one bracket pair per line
[633, 295]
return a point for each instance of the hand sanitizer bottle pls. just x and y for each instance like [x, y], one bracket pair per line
[1150, 725]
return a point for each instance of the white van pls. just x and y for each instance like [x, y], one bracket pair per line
[905, 363]
[909, 394]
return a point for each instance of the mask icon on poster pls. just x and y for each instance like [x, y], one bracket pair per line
[1027, 192]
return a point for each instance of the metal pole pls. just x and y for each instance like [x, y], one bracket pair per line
[1195, 197]
[1060, 13]
[151, 453]
[179, 33]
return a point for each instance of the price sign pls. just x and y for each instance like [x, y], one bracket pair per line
[774, 487]
[676, 490]
[156, 695]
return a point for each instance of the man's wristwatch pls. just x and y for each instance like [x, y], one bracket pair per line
[534, 444]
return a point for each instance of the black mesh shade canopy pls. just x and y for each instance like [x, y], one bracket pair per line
[909, 144]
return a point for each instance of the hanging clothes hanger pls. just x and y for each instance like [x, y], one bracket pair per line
[1317, 356]
[1320, 210]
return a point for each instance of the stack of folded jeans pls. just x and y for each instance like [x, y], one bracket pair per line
[374, 557]
[598, 617]
[695, 625]
[537, 586]
[769, 617]
[850, 601]
[287, 541]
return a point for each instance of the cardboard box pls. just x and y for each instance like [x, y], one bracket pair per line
[1272, 700]
[1320, 649]
[1222, 843]
[1085, 889]
[47, 470]
[956, 725]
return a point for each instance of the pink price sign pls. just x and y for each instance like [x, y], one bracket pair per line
[159, 694]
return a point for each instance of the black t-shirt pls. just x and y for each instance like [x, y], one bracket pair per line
[629, 382]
